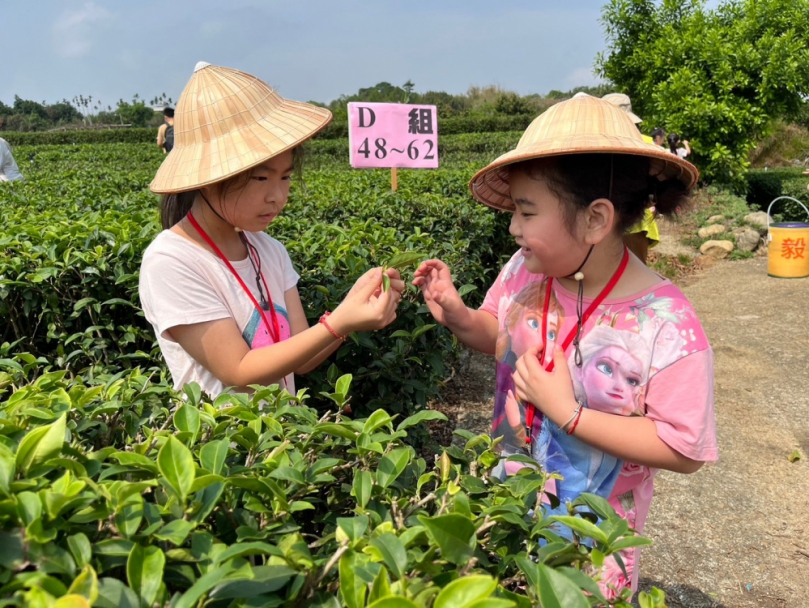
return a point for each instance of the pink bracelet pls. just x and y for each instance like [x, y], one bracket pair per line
[327, 326]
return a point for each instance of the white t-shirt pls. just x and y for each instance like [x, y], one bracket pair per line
[181, 284]
[8, 167]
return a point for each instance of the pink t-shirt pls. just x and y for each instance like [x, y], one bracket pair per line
[181, 284]
[642, 355]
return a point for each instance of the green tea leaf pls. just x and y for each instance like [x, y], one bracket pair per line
[381, 586]
[343, 384]
[363, 484]
[42, 443]
[186, 419]
[112, 593]
[454, 534]
[85, 584]
[391, 466]
[419, 417]
[175, 531]
[582, 527]
[177, 466]
[352, 588]
[81, 549]
[144, 571]
[266, 579]
[213, 454]
[393, 553]
[405, 259]
[462, 592]
[354, 527]
[555, 590]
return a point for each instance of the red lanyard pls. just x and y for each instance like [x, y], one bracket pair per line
[531, 408]
[275, 329]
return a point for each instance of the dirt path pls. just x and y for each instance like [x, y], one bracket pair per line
[736, 533]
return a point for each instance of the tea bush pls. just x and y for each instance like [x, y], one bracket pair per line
[447, 126]
[102, 136]
[116, 491]
[76, 229]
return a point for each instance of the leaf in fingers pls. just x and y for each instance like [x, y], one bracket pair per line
[385, 283]
[403, 260]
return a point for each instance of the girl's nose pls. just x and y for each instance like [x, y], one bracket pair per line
[513, 227]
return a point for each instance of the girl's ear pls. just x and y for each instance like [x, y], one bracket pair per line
[599, 219]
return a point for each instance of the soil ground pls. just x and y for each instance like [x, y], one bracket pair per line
[736, 533]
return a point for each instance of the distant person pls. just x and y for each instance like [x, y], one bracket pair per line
[644, 235]
[674, 145]
[9, 171]
[659, 137]
[165, 134]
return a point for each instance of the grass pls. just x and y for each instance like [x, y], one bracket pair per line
[785, 143]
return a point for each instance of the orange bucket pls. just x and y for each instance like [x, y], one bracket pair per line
[787, 254]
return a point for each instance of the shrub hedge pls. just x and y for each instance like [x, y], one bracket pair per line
[765, 186]
[116, 492]
[77, 137]
[447, 126]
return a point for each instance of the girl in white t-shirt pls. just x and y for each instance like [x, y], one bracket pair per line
[220, 293]
[674, 145]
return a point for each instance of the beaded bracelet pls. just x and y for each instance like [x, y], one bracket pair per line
[327, 326]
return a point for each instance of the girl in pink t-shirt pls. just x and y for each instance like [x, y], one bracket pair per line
[604, 374]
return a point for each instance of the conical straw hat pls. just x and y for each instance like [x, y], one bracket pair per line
[581, 125]
[226, 122]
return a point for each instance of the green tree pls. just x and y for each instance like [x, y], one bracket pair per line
[511, 104]
[718, 77]
[137, 113]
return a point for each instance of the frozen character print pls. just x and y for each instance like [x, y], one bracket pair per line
[523, 329]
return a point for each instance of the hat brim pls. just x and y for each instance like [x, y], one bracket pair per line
[635, 118]
[490, 185]
[207, 162]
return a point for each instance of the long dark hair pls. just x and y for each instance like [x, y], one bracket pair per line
[579, 179]
[674, 139]
[175, 206]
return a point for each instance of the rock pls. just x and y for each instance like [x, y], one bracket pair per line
[715, 219]
[757, 220]
[748, 239]
[717, 249]
[709, 231]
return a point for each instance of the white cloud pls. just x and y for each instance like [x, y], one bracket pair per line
[72, 31]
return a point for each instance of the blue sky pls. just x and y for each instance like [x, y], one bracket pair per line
[307, 50]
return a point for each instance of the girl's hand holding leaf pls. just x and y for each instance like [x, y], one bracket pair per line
[367, 307]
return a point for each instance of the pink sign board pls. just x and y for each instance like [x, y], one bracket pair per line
[382, 135]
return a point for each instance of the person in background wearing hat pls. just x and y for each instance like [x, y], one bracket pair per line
[9, 171]
[220, 293]
[645, 234]
[604, 373]
[165, 134]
